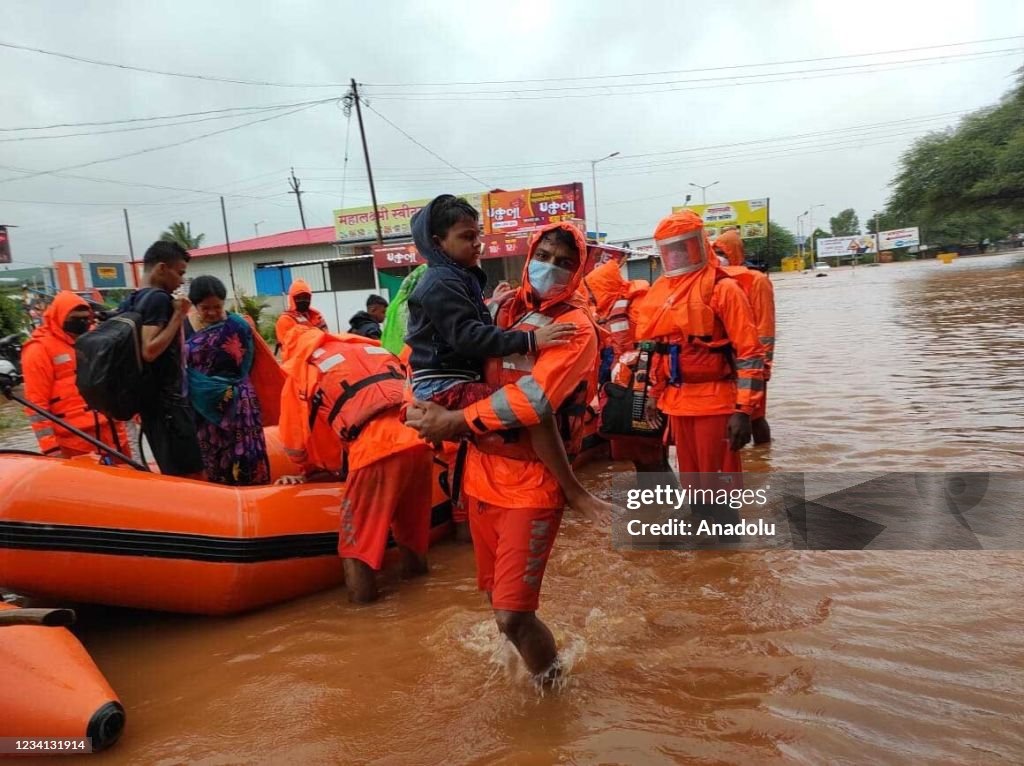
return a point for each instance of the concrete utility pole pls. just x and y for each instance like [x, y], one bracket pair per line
[227, 244]
[353, 96]
[293, 182]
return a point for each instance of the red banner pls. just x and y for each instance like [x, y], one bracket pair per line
[532, 208]
[5, 246]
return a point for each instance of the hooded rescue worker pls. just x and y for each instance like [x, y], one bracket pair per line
[48, 365]
[610, 297]
[340, 414]
[299, 312]
[761, 294]
[515, 505]
[708, 377]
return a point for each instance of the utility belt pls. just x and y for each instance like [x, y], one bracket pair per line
[683, 364]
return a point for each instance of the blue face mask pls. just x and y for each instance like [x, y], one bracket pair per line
[547, 279]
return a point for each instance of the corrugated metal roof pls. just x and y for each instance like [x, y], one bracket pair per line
[323, 235]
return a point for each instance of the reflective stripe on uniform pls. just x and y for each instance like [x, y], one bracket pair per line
[42, 433]
[619, 326]
[332, 361]
[535, 319]
[750, 384]
[623, 304]
[757, 363]
[535, 395]
[503, 410]
[519, 362]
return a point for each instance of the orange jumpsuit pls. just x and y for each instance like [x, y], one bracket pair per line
[389, 466]
[761, 294]
[48, 365]
[720, 371]
[292, 317]
[515, 506]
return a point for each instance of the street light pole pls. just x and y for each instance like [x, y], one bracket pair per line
[703, 191]
[593, 180]
[810, 226]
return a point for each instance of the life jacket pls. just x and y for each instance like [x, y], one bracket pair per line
[693, 346]
[502, 371]
[355, 383]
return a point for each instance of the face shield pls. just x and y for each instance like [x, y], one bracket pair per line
[683, 254]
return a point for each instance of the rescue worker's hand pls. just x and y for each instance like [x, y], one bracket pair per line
[652, 413]
[738, 431]
[434, 423]
[556, 334]
[290, 480]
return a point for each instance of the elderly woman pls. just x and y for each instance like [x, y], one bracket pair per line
[220, 351]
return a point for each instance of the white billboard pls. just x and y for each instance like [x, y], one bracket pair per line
[841, 247]
[909, 237]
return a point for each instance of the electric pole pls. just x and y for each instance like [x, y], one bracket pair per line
[293, 182]
[353, 96]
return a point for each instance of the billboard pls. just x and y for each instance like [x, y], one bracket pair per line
[750, 216]
[909, 237]
[5, 246]
[405, 253]
[842, 247]
[395, 218]
[533, 208]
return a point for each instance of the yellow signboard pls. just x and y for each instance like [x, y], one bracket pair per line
[395, 218]
[750, 216]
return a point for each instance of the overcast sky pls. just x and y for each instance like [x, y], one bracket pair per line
[501, 135]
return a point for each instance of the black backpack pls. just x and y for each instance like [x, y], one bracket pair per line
[111, 374]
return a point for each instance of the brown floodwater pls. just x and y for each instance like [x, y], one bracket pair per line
[715, 658]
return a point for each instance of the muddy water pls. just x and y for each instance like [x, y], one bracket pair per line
[759, 658]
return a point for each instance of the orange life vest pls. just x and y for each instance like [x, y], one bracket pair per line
[502, 371]
[356, 382]
[694, 347]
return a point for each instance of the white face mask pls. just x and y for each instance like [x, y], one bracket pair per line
[546, 279]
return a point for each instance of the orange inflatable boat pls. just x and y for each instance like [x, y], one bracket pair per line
[52, 690]
[74, 530]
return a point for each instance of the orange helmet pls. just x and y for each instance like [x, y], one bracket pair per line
[682, 244]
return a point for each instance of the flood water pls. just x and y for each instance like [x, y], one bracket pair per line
[745, 658]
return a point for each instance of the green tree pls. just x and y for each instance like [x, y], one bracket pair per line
[965, 183]
[12, 318]
[181, 232]
[782, 245]
[846, 224]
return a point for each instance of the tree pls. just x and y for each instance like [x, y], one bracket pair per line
[181, 232]
[965, 183]
[12, 318]
[783, 244]
[846, 224]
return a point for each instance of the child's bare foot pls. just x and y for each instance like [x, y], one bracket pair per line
[594, 508]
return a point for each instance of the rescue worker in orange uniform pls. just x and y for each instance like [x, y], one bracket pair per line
[299, 312]
[709, 374]
[339, 415]
[515, 505]
[761, 294]
[48, 365]
[610, 297]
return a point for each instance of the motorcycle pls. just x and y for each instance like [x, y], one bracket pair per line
[10, 351]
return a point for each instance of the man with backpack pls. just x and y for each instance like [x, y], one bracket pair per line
[167, 418]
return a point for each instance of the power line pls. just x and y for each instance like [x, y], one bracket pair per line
[153, 148]
[700, 69]
[429, 151]
[604, 90]
[146, 70]
[150, 127]
[100, 123]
